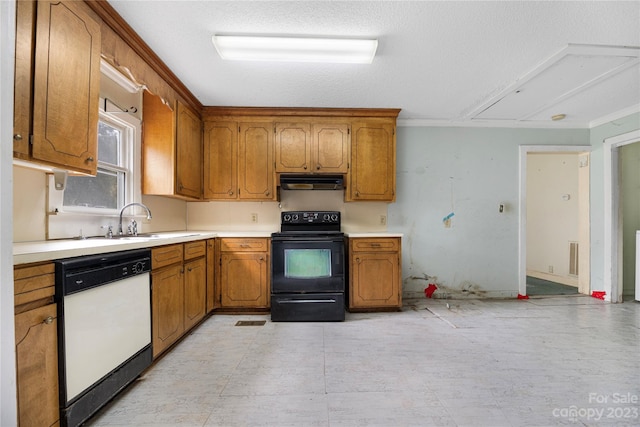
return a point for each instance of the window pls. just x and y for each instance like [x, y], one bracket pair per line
[117, 181]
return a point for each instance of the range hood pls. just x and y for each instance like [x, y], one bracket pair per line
[311, 182]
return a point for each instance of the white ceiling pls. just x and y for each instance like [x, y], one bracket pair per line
[502, 63]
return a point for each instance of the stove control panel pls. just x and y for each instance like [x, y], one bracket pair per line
[311, 217]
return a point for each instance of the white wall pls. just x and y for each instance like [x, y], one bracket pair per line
[552, 214]
[236, 216]
[468, 172]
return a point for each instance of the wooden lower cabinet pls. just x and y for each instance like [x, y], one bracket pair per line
[195, 292]
[243, 273]
[36, 334]
[374, 274]
[178, 291]
[167, 307]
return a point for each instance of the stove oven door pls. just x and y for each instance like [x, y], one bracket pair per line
[307, 265]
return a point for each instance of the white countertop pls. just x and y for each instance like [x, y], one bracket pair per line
[372, 234]
[48, 250]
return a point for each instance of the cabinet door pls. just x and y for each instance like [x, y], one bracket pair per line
[158, 146]
[243, 280]
[375, 280]
[37, 366]
[167, 309]
[195, 291]
[66, 86]
[293, 147]
[373, 162]
[22, 107]
[188, 153]
[221, 160]
[330, 148]
[255, 158]
[212, 301]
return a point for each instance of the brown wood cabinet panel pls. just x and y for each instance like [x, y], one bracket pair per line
[167, 307]
[195, 291]
[188, 152]
[244, 245]
[293, 147]
[166, 255]
[22, 95]
[221, 160]
[37, 366]
[330, 148]
[66, 86]
[373, 162]
[211, 276]
[34, 286]
[256, 176]
[195, 249]
[158, 150]
[374, 273]
[244, 280]
[375, 245]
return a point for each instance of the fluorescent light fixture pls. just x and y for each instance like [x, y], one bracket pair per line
[295, 49]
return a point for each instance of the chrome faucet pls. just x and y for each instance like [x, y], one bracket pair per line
[126, 206]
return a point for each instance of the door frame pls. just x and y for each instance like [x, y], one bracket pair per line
[612, 214]
[522, 208]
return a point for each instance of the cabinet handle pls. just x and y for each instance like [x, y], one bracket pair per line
[189, 269]
[304, 167]
[375, 245]
[48, 320]
[357, 194]
[318, 167]
[17, 137]
[267, 193]
[230, 192]
[358, 260]
[261, 258]
[90, 159]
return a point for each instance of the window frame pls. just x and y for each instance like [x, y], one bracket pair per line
[130, 165]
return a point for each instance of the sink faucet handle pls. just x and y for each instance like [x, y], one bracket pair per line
[109, 228]
[133, 227]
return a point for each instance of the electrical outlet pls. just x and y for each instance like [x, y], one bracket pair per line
[383, 220]
[254, 217]
[551, 269]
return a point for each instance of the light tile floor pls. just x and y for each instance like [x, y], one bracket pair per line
[571, 360]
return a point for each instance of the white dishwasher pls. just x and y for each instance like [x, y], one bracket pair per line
[104, 328]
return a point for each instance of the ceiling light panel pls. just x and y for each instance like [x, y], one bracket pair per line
[295, 49]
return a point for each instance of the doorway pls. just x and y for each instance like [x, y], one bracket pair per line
[558, 206]
[617, 199]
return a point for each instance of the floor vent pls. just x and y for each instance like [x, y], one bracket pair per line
[573, 258]
[250, 322]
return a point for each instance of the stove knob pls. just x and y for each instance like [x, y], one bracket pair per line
[286, 218]
[295, 217]
[334, 217]
[325, 217]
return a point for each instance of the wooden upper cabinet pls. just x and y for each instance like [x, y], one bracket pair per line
[373, 162]
[293, 147]
[188, 153]
[312, 147]
[171, 149]
[60, 110]
[22, 89]
[255, 162]
[330, 147]
[221, 160]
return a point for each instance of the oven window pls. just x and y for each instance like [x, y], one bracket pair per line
[307, 263]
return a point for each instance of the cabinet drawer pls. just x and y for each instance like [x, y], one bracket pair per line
[166, 255]
[195, 249]
[34, 282]
[244, 245]
[383, 244]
